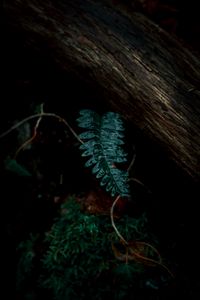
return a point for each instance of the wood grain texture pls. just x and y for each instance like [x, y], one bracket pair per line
[145, 74]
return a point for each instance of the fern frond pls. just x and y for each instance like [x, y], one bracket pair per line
[102, 141]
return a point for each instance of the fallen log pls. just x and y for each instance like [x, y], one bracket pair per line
[144, 73]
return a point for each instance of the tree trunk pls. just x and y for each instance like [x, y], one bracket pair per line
[145, 74]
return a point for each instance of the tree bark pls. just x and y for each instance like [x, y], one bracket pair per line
[145, 74]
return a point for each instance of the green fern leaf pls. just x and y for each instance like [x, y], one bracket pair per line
[103, 139]
[13, 166]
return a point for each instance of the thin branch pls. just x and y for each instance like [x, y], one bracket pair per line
[140, 183]
[130, 250]
[150, 260]
[113, 223]
[131, 163]
[34, 133]
[39, 116]
[150, 246]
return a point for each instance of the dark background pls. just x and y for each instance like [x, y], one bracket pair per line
[31, 78]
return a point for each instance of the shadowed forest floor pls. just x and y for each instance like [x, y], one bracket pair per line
[40, 178]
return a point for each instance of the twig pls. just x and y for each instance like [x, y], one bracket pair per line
[152, 247]
[34, 133]
[131, 163]
[40, 115]
[150, 260]
[113, 223]
[133, 252]
[142, 184]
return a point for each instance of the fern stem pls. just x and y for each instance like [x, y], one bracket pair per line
[113, 223]
[40, 115]
[131, 163]
[150, 260]
[27, 142]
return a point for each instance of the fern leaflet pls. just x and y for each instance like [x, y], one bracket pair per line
[102, 142]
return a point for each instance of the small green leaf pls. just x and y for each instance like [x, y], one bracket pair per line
[13, 166]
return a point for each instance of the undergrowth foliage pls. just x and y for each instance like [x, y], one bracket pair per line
[103, 140]
[78, 262]
[87, 256]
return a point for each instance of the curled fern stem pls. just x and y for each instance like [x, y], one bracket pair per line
[131, 163]
[131, 250]
[150, 260]
[40, 115]
[27, 142]
[113, 223]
